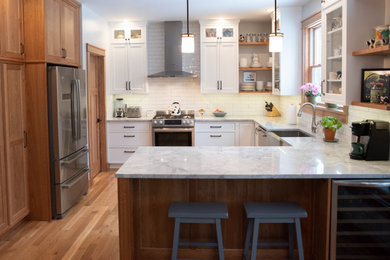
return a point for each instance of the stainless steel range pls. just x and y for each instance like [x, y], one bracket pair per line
[173, 130]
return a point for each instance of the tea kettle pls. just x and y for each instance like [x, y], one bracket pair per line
[175, 109]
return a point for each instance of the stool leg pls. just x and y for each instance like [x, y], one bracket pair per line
[248, 238]
[290, 241]
[219, 239]
[299, 238]
[255, 237]
[176, 237]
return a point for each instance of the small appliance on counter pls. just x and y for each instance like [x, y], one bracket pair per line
[120, 108]
[272, 111]
[370, 140]
[133, 112]
[175, 109]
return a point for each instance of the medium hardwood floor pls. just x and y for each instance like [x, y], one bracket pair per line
[89, 230]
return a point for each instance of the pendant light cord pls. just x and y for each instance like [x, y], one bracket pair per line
[276, 17]
[188, 14]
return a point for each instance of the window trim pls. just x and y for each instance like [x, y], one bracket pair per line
[341, 112]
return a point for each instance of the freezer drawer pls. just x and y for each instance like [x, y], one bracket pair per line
[71, 165]
[70, 192]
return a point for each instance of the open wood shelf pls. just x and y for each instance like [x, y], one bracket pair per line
[380, 51]
[255, 69]
[253, 43]
[371, 105]
[253, 91]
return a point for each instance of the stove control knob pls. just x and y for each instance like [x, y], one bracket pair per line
[155, 122]
[160, 122]
[184, 122]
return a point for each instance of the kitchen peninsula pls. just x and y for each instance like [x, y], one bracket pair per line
[303, 172]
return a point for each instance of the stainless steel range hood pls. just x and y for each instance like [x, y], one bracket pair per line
[173, 55]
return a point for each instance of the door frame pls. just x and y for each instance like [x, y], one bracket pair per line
[100, 53]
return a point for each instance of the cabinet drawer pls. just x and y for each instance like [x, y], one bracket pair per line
[129, 126]
[215, 127]
[215, 139]
[120, 155]
[129, 139]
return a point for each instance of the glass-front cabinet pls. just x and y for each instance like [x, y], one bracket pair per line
[333, 82]
[133, 33]
[219, 31]
[276, 73]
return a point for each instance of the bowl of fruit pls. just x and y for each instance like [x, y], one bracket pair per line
[219, 113]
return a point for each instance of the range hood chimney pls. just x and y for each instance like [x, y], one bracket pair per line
[173, 55]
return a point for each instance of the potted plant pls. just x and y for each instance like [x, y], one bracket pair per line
[312, 91]
[330, 125]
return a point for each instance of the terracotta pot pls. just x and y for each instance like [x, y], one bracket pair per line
[329, 134]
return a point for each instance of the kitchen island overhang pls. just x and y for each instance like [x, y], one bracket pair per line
[156, 176]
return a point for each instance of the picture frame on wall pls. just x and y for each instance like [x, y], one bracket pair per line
[375, 82]
[249, 76]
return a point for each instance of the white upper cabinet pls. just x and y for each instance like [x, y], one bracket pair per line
[126, 32]
[219, 56]
[128, 61]
[346, 26]
[287, 65]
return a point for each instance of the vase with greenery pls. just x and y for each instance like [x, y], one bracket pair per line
[330, 125]
[311, 91]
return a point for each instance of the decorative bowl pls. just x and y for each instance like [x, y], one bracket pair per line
[219, 114]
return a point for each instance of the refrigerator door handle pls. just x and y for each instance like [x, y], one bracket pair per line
[72, 109]
[70, 184]
[78, 110]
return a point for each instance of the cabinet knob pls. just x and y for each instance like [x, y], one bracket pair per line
[21, 48]
[64, 53]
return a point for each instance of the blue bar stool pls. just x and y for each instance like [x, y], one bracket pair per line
[273, 212]
[197, 212]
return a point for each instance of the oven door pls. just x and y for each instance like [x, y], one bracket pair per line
[173, 136]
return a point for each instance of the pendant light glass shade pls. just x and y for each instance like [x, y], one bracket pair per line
[275, 42]
[187, 43]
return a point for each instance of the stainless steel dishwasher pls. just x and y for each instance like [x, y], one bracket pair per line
[265, 138]
[360, 221]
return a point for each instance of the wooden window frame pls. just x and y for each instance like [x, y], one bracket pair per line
[341, 112]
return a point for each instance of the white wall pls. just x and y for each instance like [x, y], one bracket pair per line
[311, 8]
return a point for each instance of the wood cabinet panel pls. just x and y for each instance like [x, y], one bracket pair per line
[53, 25]
[12, 40]
[70, 33]
[3, 201]
[15, 142]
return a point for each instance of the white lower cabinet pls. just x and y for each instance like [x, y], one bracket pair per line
[219, 133]
[125, 137]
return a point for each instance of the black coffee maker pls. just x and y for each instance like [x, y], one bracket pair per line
[370, 140]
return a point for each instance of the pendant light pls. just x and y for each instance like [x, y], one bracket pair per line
[275, 38]
[187, 39]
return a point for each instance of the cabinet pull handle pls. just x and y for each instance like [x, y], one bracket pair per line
[215, 135]
[129, 85]
[64, 53]
[322, 87]
[129, 126]
[221, 85]
[25, 139]
[217, 84]
[129, 151]
[128, 136]
[215, 126]
[21, 49]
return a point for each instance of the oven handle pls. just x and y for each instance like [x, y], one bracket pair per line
[364, 183]
[172, 130]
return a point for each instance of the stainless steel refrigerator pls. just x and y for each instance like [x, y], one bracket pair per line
[68, 137]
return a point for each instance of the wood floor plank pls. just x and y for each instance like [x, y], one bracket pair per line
[89, 230]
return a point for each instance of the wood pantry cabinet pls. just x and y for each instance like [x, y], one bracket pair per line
[14, 205]
[11, 26]
[62, 23]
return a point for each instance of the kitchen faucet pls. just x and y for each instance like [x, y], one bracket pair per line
[314, 124]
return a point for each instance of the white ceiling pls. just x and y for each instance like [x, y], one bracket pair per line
[165, 10]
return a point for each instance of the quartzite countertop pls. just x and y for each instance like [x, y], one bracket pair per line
[307, 157]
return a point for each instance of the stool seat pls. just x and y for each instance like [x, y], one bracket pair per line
[274, 210]
[198, 210]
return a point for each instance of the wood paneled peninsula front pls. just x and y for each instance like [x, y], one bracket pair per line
[155, 176]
